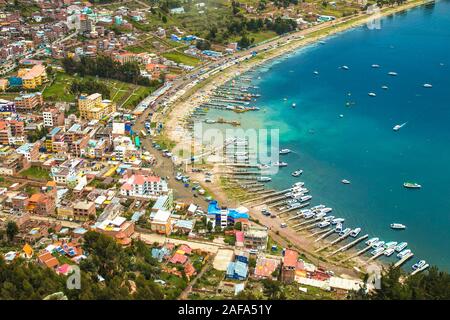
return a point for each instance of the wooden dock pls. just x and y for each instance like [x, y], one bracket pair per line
[296, 208]
[379, 254]
[294, 217]
[347, 246]
[333, 242]
[367, 248]
[322, 231]
[323, 236]
[403, 260]
[266, 196]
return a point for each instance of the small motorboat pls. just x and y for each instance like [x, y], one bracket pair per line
[427, 85]
[345, 68]
[375, 66]
[398, 226]
[372, 94]
[297, 173]
[392, 73]
[345, 181]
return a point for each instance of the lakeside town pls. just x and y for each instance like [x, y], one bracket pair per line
[88, 177]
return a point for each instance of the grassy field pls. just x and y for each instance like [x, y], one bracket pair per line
[36, 173]
[121, 93]
[179, 57]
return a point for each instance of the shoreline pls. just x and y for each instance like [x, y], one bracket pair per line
[201, 92]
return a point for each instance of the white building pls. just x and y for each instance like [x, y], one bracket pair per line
[138, 185]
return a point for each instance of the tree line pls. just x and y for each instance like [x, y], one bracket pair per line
[128, 274]
[106, 67]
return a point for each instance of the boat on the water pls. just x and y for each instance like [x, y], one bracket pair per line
[345, 232]
[399, 126]
[263, 179]
[338, 227]
[345, 181]
[390, 244]
[285, 151]
[372, 241]
[388, 252]
[280, 164]
[372, 94]
[428, 85]
[401, 246]
[263, 166]
[419, 264]
[375, 66]
[392, 73]
[297, 173]
[338, 221]
[398, 226]
[323, 224]
[378, 244]
[305, 198]
[293, 105]
[377, 251]
[412, 185]
[384, 87]
[403, 253]
[345, 68]
[354, 233]
[316, 72]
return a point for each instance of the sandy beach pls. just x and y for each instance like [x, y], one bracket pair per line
[199, 94]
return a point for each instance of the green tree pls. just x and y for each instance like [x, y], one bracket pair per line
[11, 230]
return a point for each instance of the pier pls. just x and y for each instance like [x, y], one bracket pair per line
[403, 260]
[379, 254]
[334, 242]
[323, 236]
[419, 270]
[318, 232]
[266, 196]
[347, 246]
[357, 254]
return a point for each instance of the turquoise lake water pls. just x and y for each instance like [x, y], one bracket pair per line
[361, 146]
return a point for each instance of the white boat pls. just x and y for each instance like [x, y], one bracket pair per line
[341, 116]
[403, 253]
[297, 173]
[384, 87]
[308, 215]
[419, 264]
[372, 94]
[293, 105]
[305, 198]
[298, 184]
[263, 179]
[377, 251]
[377, 244]
[345, 67]
[427, 85]
[345, 232]
[345, 181]
[338, 228]
[390, 244]
[319, 206]
[263, 166]
[354, 233]
[323, 224]
[398, 126]
[372, 241]
[280, 164]
[320, 215]
[316, 72]
[338, 221]
[375, 66]
[327, 209]
[285, 151]
[392, 73]
[329, 218]
[389, 252]
[398, 226]
[401, 246]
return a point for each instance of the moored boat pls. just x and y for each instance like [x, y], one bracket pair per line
[412, 185]
[354, 233]
[401, 246]
[388, 252]
[297, 173]
[403, 253]
[345, 181]
[398, 226]
[285, 151]
[372, 241]
[418, 264]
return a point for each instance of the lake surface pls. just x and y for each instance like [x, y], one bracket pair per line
[361, 146]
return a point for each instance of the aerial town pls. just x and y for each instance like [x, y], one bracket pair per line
[94, 95]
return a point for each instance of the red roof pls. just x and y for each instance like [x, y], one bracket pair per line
[178, 258]
[239, 236]
[290, 258]
[186, 248]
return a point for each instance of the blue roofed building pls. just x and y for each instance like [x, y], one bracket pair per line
[237, 270]
[160, 253]
[224, 217]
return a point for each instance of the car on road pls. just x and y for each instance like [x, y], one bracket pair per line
[283, 225]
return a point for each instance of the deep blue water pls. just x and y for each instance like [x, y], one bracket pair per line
[361, 146]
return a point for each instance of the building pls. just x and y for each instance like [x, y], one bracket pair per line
[33, 77]
[12, 163]
[256, 237]
[30, 151]
[92, 107]
[3, 84]
[289, 266]
[53, 117]
[69, 173]
[265, 267]
[237, 270]
[161, 222]
[224, 217]
[84, 210]
[29, 102]
[138, 185]
[12, 132]
[119, 228]
[41, 204]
